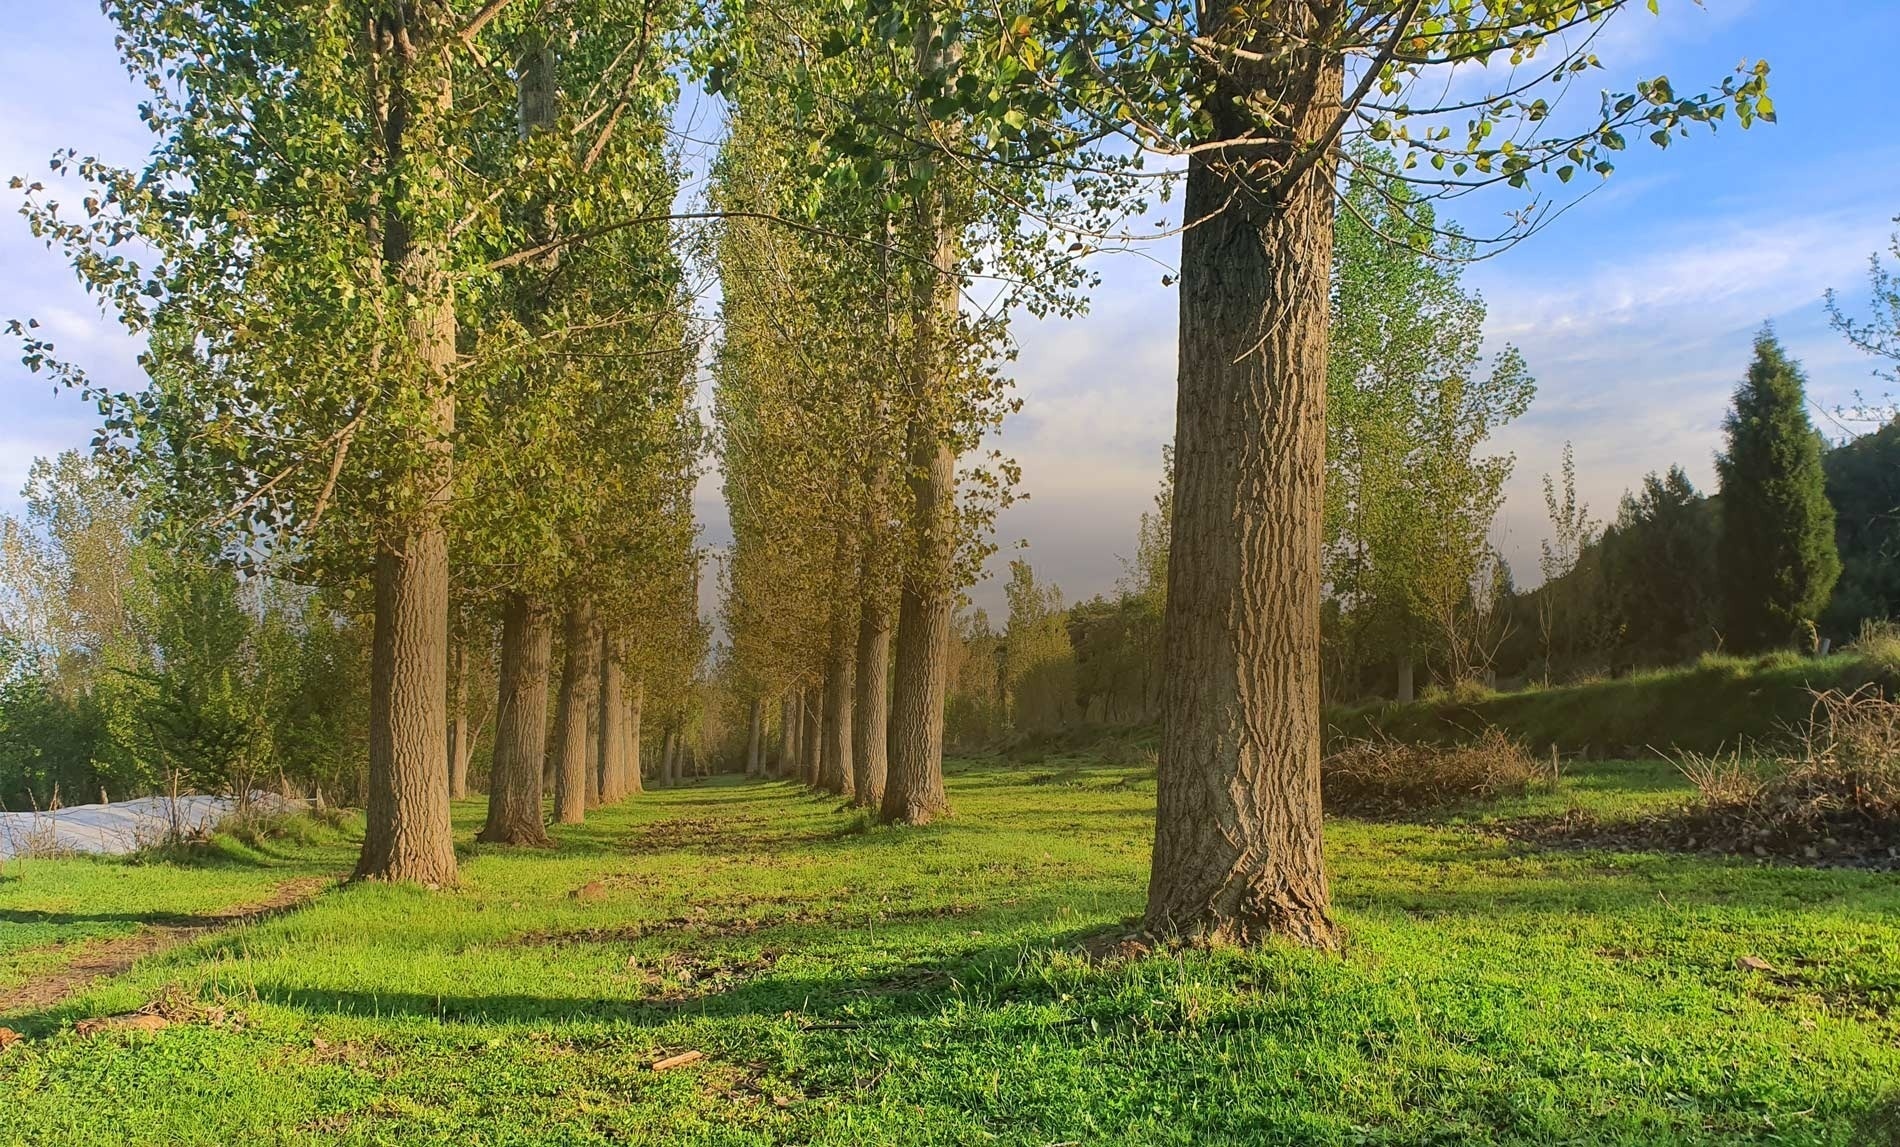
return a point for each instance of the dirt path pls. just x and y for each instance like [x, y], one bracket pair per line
[96, 961]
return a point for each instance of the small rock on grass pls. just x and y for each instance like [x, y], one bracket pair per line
[1753, 964]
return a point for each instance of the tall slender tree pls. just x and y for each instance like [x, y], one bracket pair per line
[1777, 551]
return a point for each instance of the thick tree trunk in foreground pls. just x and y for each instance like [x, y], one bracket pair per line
[868, 724]
[521, 725]
[580, 682]
[406, 832]
[636, 700]
[755, 740]
[1237, 855]
[613, 726]
[461, 731]
[835, 775]
[407, 835]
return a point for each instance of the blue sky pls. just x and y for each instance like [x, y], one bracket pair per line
[1635, 310]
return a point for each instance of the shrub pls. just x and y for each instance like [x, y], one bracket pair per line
[1384, 777]
[1126, 750]
[1879, 643]
[1839, 787]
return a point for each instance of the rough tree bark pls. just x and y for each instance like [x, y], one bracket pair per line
[869, 726]
[613, 725]
[755, 740]
[580, 683]
[406, 833]
[1237, 855]
[461, 732]
[521, 725]
[835, 774]
[913, 792]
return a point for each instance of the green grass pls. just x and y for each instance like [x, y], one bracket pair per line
[52, 908]
[858, 985]
[1714, 704]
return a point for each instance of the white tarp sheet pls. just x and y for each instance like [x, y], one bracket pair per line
[112, 829]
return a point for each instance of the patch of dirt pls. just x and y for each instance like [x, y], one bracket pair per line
[171, 1008]
[702, 924]
[675, 978]
[1844, 841]
[96, 961]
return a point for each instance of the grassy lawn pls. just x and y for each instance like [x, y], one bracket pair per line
[52, 910]
[856, 985]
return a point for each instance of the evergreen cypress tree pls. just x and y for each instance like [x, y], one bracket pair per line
[1778, 556]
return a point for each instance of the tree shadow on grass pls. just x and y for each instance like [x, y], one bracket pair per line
[907, 993]
[155, 919]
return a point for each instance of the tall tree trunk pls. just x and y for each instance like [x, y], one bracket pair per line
[1407, 692]
[406, 835]
[670, 759]
[755, 740]
[1237, 855]
[591, 774]
[613, 725]
[913, 792]
[792, 708]
[812, 732]
[521, 724]
[580, 683]
[460, 730]
[636, 701]
[840, 690]
[869, 726]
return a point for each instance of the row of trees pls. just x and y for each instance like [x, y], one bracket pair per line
[410, 284]
[407, 285]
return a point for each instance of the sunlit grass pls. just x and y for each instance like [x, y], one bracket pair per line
[851, 984]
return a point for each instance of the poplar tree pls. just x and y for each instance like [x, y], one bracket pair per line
[322, 218]
[1257, 99]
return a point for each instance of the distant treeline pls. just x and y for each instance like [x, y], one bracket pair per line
[1650, 589]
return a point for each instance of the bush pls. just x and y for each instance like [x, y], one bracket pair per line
[1839, 788]
[1878, 643]
[1383, 777]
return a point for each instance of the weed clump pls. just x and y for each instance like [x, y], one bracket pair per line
[1381, 777]
[1836, 790]
[1878, 643]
